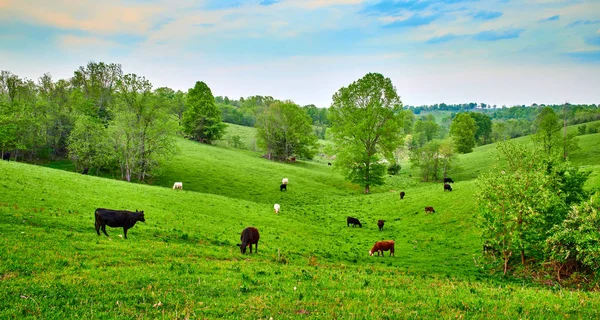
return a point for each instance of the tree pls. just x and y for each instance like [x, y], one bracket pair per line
[89, 145]
[463, 130]
[434, 158]
[523, 196]
[142, 130]
[284, 130]
[366, 123]
[425, 130]
[547, 130]
[484, 127]
[202, 120]
[97, 82]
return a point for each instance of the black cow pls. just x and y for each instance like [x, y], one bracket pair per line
[116, 219]
[85, 171]
[353, 222]
[380, 224]
[6, 156]
[447, 187]
[448, 180]
[329, 163]
[283, 187]
[249, 237]
[402, 194]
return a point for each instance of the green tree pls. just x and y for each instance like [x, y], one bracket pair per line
[574, 245]
[284, 130]
[142, 130]
[97, 83]
[484, 127]
[548, 130]
[523, 196]
[89, 145]
[366, 123]
[202, 119]
[463, 131]
[425, 130]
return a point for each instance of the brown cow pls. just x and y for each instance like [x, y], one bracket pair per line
[402, 194]
[429, 209]
[380, 224]
[249, 237]
[383, 246]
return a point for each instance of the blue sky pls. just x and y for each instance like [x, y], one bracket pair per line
[503, 52]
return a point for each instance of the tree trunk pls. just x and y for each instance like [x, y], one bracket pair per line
[523, 256]
[367, 189]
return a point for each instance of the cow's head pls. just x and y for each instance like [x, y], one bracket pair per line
[140, 216]
[370, 252]
[243, 247]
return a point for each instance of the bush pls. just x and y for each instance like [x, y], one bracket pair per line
[393, 169]
[574, 245]
[581, 130]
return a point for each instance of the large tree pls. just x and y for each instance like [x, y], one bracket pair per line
[366, 123]
[463, 131]
[284, 130]
[202, 119]
[142, 130]
[484, 127]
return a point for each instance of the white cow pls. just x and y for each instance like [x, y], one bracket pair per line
[284, 181]
[276, 206]
[178, 185]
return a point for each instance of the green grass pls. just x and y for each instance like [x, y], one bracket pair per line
[184, 262]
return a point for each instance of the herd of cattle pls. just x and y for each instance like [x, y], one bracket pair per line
[250, 235]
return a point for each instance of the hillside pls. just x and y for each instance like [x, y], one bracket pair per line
[184, 262]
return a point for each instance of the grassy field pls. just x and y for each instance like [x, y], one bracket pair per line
[184, 262]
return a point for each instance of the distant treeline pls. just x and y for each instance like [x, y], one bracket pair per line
[246, 110]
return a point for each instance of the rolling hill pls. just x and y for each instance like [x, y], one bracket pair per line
[184, 262]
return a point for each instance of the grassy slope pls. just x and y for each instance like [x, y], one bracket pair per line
[54, 266]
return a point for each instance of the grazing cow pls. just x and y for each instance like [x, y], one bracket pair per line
[6, 156]
[447, 187]
[448, 180]
[380, 224]
[353, 222]
[429, 209]
[284, 181]
[249, 237]
[329, 164]
[117, 218]
[276, 207]
[283, 187]
[178, 185]
[402, 194]
[85, 170]
[382, 246]
[293, 159]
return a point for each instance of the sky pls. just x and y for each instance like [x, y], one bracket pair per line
[503, 52]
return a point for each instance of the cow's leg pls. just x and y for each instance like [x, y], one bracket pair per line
[104, 229]
[98, 227]
[251, 248]
[256, 249]
[125, 232]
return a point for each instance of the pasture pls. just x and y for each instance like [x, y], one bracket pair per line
[184, 262]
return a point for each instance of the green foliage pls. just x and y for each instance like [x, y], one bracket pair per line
[484, 127]
[366, 122]
[522, 197]
[425, 130]
[284, 130]
[463, 131]
[202, 119]
[434, 160]
[393, 168]
[575, 243]
[548, 130]
[142, 131]
[89, 144]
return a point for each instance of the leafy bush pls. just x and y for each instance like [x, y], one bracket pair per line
[393, 169]
[574, 245]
